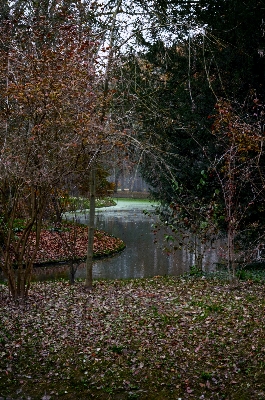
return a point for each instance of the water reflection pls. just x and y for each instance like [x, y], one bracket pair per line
[141, 258]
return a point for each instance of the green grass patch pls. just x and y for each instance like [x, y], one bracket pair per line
[81, 203]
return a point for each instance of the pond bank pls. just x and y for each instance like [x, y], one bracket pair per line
[71, 243]
[58, 247]
[130, 195]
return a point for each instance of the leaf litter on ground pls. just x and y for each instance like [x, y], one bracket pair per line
[72, 243]
[156, 338]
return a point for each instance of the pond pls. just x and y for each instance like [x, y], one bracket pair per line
[143, 256]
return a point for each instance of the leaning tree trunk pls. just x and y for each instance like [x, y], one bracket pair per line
[91, 230]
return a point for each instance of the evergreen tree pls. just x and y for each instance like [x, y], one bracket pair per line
[178, 92]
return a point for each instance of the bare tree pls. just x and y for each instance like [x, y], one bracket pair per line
[47, 119]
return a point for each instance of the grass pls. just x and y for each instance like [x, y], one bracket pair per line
[81, 203]
[157, 338]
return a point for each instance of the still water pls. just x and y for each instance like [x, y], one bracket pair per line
[142, 256]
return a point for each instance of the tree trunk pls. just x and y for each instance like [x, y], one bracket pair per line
[72, 271]
[91, 230]
[231, 252]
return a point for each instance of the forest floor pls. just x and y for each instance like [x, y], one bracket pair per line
[157, 338]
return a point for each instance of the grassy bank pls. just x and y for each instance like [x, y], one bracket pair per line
[159, 338]
[82, 203]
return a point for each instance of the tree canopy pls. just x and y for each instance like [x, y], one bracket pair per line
[177, 87]
[200, 97]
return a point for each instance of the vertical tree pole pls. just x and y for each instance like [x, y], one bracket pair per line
[91, 229]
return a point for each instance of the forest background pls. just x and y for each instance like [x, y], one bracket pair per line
[176, 87]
